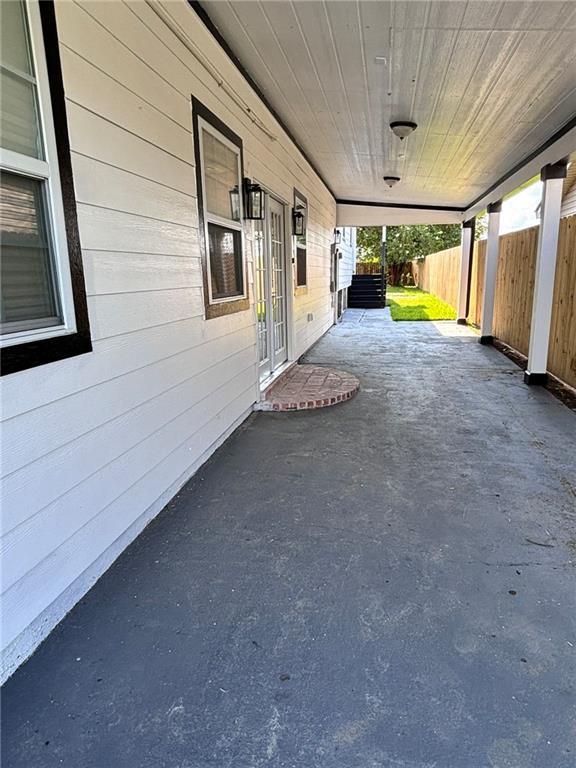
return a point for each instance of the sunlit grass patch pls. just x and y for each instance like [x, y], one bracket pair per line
[408, 303]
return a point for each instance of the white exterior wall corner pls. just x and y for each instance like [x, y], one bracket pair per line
[118, 431]
[347, 263]
[569, 203]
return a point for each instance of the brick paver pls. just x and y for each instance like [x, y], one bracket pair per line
[310, 386]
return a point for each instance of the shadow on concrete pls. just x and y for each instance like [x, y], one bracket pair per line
[389, 582]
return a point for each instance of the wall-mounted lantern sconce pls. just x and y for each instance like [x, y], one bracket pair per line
[298, 222]
[253, 200]
[337, 236]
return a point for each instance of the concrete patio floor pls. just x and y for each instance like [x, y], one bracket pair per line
[388, 582]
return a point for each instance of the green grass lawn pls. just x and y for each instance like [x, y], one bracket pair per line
[413, 304]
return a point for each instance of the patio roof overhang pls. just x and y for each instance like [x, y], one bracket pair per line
[491, 90]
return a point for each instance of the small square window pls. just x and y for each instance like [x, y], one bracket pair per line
[300, 266]
[301, 206]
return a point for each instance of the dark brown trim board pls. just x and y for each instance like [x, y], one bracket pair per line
[404, 206]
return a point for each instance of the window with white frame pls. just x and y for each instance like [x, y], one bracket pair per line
[301, 206]
[221, 172]
[37, 300]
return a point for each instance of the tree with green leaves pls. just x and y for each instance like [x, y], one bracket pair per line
[407, 242]
[368, 243]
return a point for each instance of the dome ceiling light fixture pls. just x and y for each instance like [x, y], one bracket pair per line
[391, 180]
[402, 128]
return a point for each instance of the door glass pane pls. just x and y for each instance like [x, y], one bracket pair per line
[278, 280]
[28, 297]
[221, 178]
[279, 341]
[225, 262]
[261, 298]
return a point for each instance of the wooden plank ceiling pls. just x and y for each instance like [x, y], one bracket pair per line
[487, 83]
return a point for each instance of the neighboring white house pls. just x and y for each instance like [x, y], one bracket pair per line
[345, 265]
[142, 310]
[569, 191]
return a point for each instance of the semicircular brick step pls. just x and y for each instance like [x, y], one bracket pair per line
[305, 387]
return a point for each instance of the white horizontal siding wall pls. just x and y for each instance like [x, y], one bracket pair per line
[94, 446]
[569, 203]
[347, 263]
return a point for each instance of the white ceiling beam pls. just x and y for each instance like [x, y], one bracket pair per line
[358, 215]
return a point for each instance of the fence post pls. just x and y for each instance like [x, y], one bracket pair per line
[490, 272]
[553, 177]
[467, 248]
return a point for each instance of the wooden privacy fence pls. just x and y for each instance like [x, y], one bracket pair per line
[439, 273]
[562, 352]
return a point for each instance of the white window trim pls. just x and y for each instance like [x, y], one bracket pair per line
[210, 218]
[48, 171]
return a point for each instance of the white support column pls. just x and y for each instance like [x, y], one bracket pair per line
[492, 245]
[553, 177]
[467, 247]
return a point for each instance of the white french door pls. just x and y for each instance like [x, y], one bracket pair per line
[270, 269]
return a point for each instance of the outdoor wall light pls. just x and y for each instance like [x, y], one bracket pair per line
[253, 200]
[402, 128]
[391, 180]
[298, 222]
[337, 237]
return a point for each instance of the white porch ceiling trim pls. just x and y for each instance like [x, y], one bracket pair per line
[350, 215]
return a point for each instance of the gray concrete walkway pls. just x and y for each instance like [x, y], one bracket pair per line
[386, 583]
